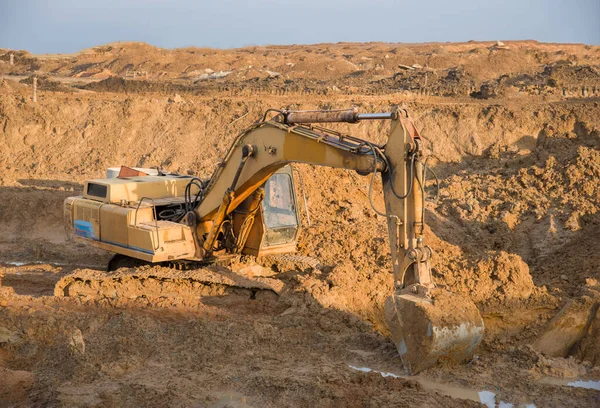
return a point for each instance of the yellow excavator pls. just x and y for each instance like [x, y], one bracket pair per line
[249, 207]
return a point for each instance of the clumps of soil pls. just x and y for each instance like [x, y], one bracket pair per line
[560, 367]
[552, 186]
[561, 78]
[568, 76]
[355, 290]
[499, 277]
[494, 278]
[539, 202]
[559, 181]
[450, 82]
[121, 85]
[45, 83]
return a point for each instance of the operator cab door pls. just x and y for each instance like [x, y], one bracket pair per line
[275, 227]
[280, 217]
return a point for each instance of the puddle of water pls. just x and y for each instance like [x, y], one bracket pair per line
[487, 398]
[368, 370]
[592, 385]
[589, 384]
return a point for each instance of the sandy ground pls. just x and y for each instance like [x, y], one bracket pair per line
[514, 136]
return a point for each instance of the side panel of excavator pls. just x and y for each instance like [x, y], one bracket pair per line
[126, 230]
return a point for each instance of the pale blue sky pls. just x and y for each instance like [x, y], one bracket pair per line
[50, 26]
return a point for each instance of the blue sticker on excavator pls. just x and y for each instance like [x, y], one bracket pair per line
[84, 229]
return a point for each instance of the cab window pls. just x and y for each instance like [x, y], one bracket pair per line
[278, 205]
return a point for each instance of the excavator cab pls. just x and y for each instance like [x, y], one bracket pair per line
[279, 210]
[276, 225]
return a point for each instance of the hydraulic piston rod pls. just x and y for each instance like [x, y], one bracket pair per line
[346, 115]
[376, 116]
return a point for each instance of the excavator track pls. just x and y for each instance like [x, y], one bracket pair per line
[277, 263]
[119, 261]
[160, 284]
[182, 280]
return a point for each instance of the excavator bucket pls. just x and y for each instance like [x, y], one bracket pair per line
[427, 324]
[445, 327]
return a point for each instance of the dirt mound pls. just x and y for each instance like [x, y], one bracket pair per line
[560, 78]
[450, 82]
[549, 191]
[479, 69]
[118, 84]
[495, 278]
[23, 62]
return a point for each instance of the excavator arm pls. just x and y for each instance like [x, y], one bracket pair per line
[427, 324]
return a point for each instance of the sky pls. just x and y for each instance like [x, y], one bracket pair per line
[65, 26]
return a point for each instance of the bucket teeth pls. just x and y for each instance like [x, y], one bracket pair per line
[444, 328]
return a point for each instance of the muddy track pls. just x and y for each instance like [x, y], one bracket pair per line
[164, 285]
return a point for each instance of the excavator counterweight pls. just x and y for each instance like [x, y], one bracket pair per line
[248, 206]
